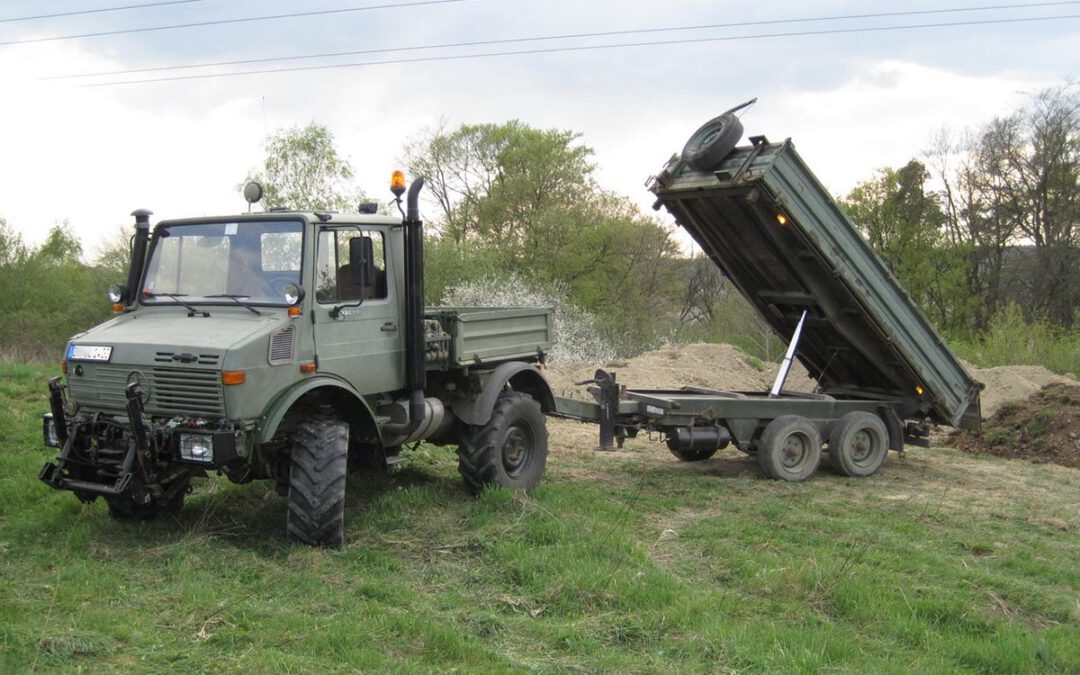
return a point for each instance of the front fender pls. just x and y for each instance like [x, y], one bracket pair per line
[342, 390]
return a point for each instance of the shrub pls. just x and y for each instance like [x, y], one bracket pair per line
[1012, 341]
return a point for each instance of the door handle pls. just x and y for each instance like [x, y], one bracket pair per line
[389, 327]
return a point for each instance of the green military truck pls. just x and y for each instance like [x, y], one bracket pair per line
[290, 346]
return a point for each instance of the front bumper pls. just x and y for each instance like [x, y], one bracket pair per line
[104, 455]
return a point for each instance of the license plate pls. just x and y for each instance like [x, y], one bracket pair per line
[89, 353]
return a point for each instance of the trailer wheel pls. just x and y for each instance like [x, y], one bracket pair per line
[510, 450]
[789, 449]
[320, 451]
[712, 142]
[858, 444]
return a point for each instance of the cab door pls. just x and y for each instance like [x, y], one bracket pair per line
[358, 330]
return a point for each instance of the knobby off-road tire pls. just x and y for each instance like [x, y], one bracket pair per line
[712, 142]
[789, 449]
[320, 452]
[510, 450]
[858, 444]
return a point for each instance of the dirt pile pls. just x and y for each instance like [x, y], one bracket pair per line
[1007, 384]
[1044, 427]
[710, 366]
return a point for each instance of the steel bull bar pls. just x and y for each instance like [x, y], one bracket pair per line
[52, 474]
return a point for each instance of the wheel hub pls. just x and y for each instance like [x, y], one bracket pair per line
[794, 451]
[515, 450]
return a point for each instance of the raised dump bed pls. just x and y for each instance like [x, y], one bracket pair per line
[766, 221]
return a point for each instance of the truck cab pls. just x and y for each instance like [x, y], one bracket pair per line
[247, 344]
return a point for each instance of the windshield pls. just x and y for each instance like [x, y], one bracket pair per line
[249, 262]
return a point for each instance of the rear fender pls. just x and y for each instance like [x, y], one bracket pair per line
[352, 407]
[523, 377]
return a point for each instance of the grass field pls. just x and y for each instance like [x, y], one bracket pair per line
[627, 561]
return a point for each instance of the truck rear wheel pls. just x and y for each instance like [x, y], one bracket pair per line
[510, 450]
[320, 452]
[858, 444]
[789, 449]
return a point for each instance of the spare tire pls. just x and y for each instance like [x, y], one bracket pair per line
[711, 143]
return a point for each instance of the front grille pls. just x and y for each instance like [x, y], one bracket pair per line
[201, 359]
[173, 391]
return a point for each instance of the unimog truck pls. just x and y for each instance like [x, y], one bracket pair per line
[290, 347]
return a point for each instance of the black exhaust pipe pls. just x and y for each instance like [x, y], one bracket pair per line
[138, 255]
[415, 363]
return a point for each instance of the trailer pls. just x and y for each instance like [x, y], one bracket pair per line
[883, 374]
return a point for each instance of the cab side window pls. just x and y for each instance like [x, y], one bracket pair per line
[336, 281]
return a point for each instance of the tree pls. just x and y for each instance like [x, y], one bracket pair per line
[303, 170]
[524, 202]
[114, 254]
[12, 247]
[1029, 179]
[489, 179]
[1014, 201]
[904, 224]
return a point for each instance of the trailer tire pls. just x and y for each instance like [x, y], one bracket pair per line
[319, 464]
[858, 444]
[712, 142]
[510, 450]
[789, 449]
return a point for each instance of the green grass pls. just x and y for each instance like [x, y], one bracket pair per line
[628, 562]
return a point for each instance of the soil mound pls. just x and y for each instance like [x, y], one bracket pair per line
[1008, 384]
[1044, 427]
[711, 366]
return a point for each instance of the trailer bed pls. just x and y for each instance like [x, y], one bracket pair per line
[773, 229]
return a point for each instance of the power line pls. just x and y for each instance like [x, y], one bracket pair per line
[482, 43]
[219, 22]
[551, 50]
[101, 10]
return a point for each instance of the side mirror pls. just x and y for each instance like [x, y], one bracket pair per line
[362, 261]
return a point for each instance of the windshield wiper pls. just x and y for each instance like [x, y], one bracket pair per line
[236, 299]
[192, 310]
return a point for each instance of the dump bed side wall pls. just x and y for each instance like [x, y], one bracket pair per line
[864, 334]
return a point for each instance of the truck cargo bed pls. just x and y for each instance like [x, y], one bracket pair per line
[773, 229]
[479, 335]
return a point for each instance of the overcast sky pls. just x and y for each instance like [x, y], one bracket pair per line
[851, 101]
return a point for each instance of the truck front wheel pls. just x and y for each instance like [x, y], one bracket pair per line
[320, 452]
[510, 450]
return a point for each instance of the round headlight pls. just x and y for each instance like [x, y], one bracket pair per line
[293, 294]
[116, 294]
